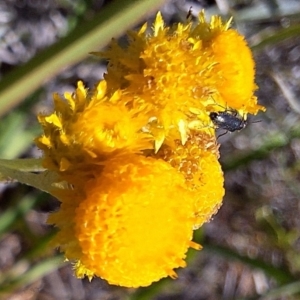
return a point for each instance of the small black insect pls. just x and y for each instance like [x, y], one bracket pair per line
[228, 120]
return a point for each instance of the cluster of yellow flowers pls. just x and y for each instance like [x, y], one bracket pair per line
[139, 151]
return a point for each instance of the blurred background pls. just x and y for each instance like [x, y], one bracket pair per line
[252, 246]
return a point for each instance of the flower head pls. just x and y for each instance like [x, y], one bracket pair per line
[86, 128]
[140, 231]
[179, 74]
[139, 152]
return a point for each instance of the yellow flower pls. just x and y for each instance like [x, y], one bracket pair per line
[87, 128]
[182, 73]
[138, 153]
[131, 228]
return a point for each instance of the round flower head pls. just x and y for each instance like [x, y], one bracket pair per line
[134, 225]
[139, 152]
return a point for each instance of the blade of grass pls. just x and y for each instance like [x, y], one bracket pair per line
[276, 37]
[8, 218]
[281, 275]
[33, 273]
[89, 36]
[15, 139]
[282, 291]
[273, 143]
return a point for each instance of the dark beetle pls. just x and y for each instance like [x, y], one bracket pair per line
[228, 120]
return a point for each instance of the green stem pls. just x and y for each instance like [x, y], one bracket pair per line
[23, 164]
[43, 181]
[21, 170]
